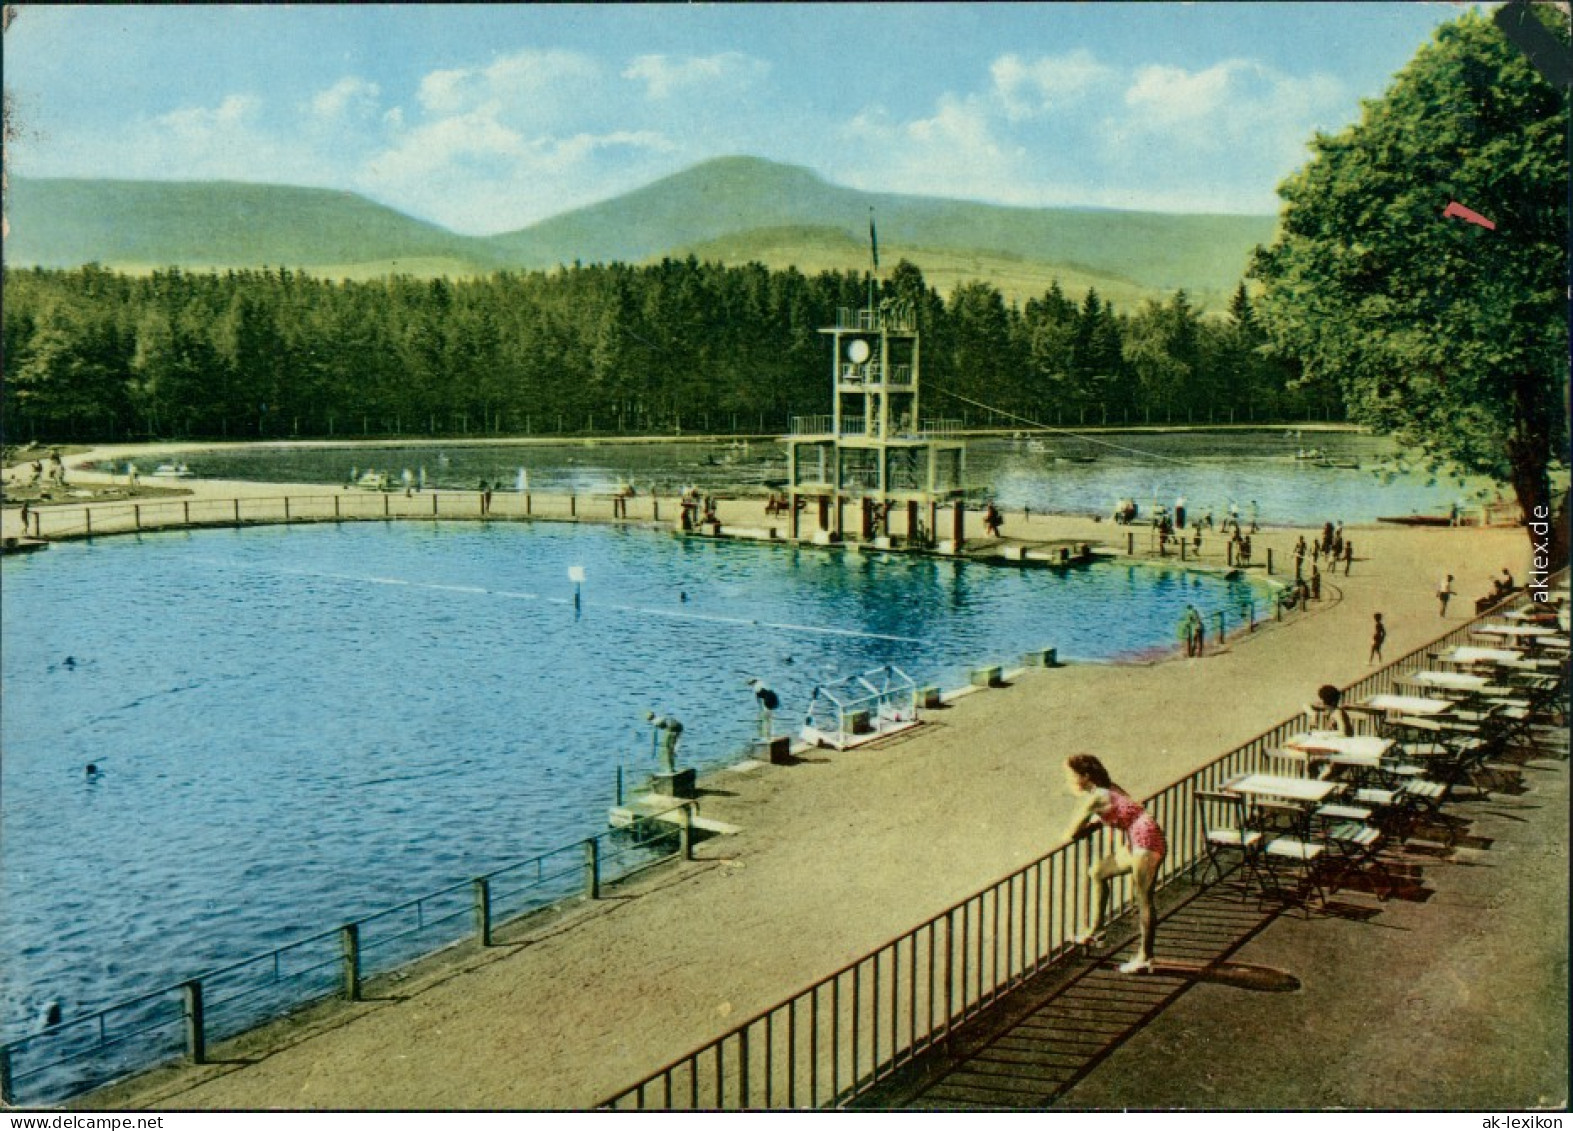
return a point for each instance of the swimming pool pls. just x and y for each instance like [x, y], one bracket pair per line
[299, 725]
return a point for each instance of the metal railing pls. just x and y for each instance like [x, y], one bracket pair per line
[893, 317]
[184, 1018]
[89, 520]
[813, 425]
[834, 1040]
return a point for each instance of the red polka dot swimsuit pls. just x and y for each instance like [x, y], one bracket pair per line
[1120, 812]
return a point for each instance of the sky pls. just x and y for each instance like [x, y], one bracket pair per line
[487, 118]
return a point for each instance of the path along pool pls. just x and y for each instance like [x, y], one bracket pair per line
[295, 726]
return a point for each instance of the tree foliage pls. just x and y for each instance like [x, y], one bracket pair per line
[1447, 334]
[674, 345]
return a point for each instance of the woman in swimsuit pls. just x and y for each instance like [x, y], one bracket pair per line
[1105, 803]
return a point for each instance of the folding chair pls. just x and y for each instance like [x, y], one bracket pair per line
[1352, 842]
[1224, 829]
[1290, 848]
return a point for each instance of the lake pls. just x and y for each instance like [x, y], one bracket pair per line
[1083, 474]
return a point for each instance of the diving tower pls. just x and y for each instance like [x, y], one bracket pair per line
[875, 451]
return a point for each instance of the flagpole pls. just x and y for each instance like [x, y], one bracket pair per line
[873, 247]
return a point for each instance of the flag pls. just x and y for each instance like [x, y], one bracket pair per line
[873, 239]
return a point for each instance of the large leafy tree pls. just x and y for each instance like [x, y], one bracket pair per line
[1449, 335]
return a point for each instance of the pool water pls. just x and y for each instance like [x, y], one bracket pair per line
[299, 725]
[1211, 469]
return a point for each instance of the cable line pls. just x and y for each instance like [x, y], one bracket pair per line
[1061, 431]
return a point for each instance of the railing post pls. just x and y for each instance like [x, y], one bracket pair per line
[6, 1096]
[527, 509]
[136, 514]
[592, 869]
[87, 517]
[1130, 544]
[619, 785]
[483, 910]
[950, 974]
[237, 512]
[685, 834]
[286, 508]
[573, 506]
[434, 503]
[186, 507]
[349, 937]
[196, 1028]
[387, 504]
[335, 506]
[1269, 561]
[655, 509]
[1220, 626]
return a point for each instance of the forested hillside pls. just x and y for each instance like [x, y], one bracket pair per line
[95, 355]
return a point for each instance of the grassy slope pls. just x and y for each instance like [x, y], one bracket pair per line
[60, 222]
[812, 249]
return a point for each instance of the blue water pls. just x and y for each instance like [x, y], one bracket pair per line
[297, 726]
[1212, 469]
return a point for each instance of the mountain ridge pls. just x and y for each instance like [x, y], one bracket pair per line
[718, 204]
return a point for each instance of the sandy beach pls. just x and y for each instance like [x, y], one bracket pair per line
[836, 854]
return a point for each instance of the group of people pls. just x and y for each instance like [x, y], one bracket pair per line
[51, 470]
[694, 510]
[1333, 546]
[780, 502]
[1501, 586]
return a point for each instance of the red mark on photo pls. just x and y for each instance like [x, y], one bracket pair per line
[1456, 209]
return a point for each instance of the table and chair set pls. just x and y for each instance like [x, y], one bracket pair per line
[1321, 812]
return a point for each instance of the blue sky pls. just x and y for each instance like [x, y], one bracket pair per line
[486, 118]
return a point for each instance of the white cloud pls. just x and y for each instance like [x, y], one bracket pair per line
[349, 97]
[1231, 103]
[955, 151]
[199, 123]
[526, 84]
[233, 140]
[665, 75]
[1026, 88]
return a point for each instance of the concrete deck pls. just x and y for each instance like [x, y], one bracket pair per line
[1451, 994]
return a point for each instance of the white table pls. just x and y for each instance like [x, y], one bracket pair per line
[1406, 704]
[1364, 751]
[1452, 681]
[1309, 790]
[1465, 654]
[1515, 631]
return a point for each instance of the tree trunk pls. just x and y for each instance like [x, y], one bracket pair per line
[1528, 449]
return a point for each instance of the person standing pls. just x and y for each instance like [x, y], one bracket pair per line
[1140, 856]
[1349, 557]
[1444, 593]
[1378, 638]
[1316, 583]
[1187, 630]
[768, 702]
[1179, 513]
[670, 730]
